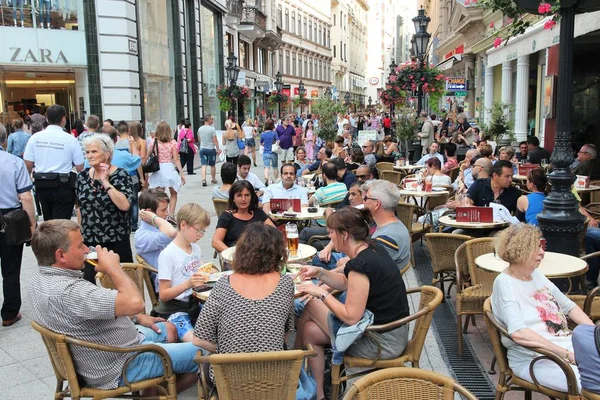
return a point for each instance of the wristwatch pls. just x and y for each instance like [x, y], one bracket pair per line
[323, 296]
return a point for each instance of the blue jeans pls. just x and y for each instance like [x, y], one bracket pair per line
[333, 259]
[592, 244]
[149, 365]
[208, 157]
[135, 209]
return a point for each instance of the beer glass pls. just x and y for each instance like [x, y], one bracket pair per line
[291, 232]
[92, 258]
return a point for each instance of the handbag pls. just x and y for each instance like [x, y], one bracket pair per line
[275, 148]
[151, 164]
[183, 146]
[16, 227]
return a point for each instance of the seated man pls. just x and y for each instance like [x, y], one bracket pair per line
[323, 156]
[345, 176]
[364, 173]
[333, 191]
[433, 152]
[66, 303]
[586, 158]
[244, 163]
[286, 189]
[481, 169]
[465, 179]
[496, 189]
[228, 176]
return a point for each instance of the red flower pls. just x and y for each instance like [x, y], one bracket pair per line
[422, 79]
[544, 8]
[492, 25]
[550, 24]
[498, 41]
[411, 77]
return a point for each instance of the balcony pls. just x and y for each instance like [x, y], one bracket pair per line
[253, 22]
[234, 13]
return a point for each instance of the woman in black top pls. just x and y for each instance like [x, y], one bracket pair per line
[372, 282]
[243, 209]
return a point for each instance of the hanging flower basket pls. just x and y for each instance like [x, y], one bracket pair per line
[301, 101]
[276, 98]
[410, 76]
[227, 95]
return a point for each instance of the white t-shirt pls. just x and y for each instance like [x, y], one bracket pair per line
[248, 130]
[53, 150]
[254, 181]
[177, 266]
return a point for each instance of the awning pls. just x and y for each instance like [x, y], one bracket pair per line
[449, 62]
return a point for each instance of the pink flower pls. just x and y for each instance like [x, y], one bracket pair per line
[411, 77]
[467, 2]
[497, 42]
[393, 78]
[550, 24]
[433, 89]
[544, 8]
[492, 26]
[422, 79]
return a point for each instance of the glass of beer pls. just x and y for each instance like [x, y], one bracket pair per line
[291, 232]
[92, 258]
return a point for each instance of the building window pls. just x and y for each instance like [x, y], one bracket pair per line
[334, 51]
[279, 16]
[293, 22]
[280, 66]
[230, 43]
[261, 63]
[299, 32]
[306, 66]
[315, 32]
[300, 65]
[287, 20]
[243, 54]
[328, 38]
[345, 53]
[341, 51]
[320, 71]
[315, 69]
[287, 62]
[305, 29]
[319, 37]
[310, 36]
[310, 68]
[333, 19]
[294, 64]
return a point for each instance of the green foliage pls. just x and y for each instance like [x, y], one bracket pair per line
[500, 123]
[327, 110]
[301, 101]
[434, 101]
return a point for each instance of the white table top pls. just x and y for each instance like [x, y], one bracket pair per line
[308, 177]
[554, 265]
[407, 167]
[592, 188]
[447, 221]
[305, 252]
[422, 193]
[303, 215]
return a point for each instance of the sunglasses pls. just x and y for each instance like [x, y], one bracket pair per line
[361, 177]
[543, 244]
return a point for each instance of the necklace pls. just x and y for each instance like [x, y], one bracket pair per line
[94, 183]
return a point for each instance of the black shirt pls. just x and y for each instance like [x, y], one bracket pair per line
[387, 294]
[535, 156]
[348, 178]
[235, 226]
[482, 194]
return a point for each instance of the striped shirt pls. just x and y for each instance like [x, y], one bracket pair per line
[333, 192]
[65, 303]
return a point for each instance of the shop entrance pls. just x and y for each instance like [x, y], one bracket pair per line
[25, 93]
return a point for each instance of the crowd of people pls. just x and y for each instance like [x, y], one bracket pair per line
[99, 172]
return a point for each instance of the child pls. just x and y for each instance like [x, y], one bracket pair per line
[177, 271]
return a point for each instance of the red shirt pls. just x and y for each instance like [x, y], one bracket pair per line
[387, 123]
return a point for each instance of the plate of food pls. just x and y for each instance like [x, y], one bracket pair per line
[217, 275]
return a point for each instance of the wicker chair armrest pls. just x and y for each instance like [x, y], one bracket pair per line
[593, 209]
[402, 321]
[545, 354]
[589, 300]
[316, 238]
[150, 268]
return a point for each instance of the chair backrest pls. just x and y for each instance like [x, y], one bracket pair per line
[406, 213]
[493, 328]
[453, 173]
[476, 248]
[406, 383]
[391, 176]
[442, 248]
[462, 267]
[384, 166]
[431, 297]
[582, 238]
[148, 279]
[436, 201]
[332, 204]
[221, 205]
[60, 357]
[133, 270]
[267, 375]
[595, 195]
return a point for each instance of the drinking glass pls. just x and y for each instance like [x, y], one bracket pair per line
[291, 232]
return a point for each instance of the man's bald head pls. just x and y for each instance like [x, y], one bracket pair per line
[482, 168]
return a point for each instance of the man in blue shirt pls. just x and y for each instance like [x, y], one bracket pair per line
[286, 189]
[18, 139]
[286, 131]
[433, 152]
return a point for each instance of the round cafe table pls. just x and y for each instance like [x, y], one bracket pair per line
[591, 188]
[447, 221]
[303, 215]
[407, 168]
[554, 265]
[421, 194]
[305, 253]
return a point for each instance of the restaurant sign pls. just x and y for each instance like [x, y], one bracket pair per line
[457, 83]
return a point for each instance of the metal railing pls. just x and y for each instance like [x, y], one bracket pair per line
[253, 15]
[234, 8]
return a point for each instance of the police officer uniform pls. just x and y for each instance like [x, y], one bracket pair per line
[52, 153]
[15, 181]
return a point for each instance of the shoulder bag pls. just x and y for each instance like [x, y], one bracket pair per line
[183, 142]
[16, 227]
[152, 164]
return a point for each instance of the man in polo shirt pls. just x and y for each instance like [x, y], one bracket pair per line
[498, 188]
[52, 153]
[286, 189]
[333, 191]
[244, 164]
[286, 132]
[66, 303]
[433, 152]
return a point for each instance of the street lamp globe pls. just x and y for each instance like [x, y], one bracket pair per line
[232, 69]
[301, 89]
[327, 93]
[421, 21]
[347, 98]
[421, 42]
[393, 67]
[278, 82]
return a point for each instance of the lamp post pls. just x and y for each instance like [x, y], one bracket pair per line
[419, 44]
[393, 72]
[347, 99]
[327, 93]
[232, 71]
[370, 102]
[279, 87]
[301, 93]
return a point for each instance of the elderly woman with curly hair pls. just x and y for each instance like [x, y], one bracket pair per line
[233, 319]
[532, 308]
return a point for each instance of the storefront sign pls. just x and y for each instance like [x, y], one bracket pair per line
[454, 84]
[286, 90]
[460, 94]
[42, 56]
[314, 93]
[374, 80]
[133, 46]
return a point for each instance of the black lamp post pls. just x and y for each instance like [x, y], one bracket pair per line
[370, 102]
[393, 72]
[232, 71]
[420, 42]
[327, 93]
[347, 99]
[279, 87]
[301, 93]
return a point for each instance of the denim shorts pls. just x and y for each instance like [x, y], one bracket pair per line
[250, 142]
[182, 322]
[267, 157]
[208, 157]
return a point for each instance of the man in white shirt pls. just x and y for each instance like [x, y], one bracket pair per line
[433, 152]
[244, 173]
[53, 153]
[286, 189]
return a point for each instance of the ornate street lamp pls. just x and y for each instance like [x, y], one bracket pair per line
[279, 87]
[301, 93]
[421, 20]
[232, 69]
[393, 67]
[370, 101]
[347, 98]
[327, 93]
[420, 41]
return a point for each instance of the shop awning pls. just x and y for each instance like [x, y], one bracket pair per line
[449, 62]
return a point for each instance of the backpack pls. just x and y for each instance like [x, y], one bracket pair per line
[183, 145]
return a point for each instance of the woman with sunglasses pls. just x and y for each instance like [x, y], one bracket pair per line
[243, 210]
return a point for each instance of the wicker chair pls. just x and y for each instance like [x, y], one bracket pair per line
[582, 238]
[221, 205]
[507, 380]
[266, 375]
[148, 269]
[138, 273]
[406, 384]
[590, 304]
[392, 176]
[587, 395]
[453, 173]
[431, 297]
[408, 213]
[469, 300]
[384, 166]
[58, 347]
[435, 201]
[442, 248]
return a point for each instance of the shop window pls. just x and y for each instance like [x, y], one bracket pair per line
[63, 15]
[243, 54]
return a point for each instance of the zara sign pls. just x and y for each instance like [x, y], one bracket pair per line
[44, 56]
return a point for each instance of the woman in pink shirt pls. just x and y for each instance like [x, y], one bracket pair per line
[187, 157]
[309, 141]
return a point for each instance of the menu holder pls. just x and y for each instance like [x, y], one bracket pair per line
[411, 184]
[525, 168]
[474, 214]
[283, 205]
[582, 182]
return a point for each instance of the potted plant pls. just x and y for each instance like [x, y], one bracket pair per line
[501, 127]
[406, 128]
[327, 110]
[228, 95]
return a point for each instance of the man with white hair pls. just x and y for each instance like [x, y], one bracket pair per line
[586, 156]
[465, 177]
[381, 198]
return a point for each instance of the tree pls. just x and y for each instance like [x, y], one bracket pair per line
[406, 128]
[327, 110]
[500, 123]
